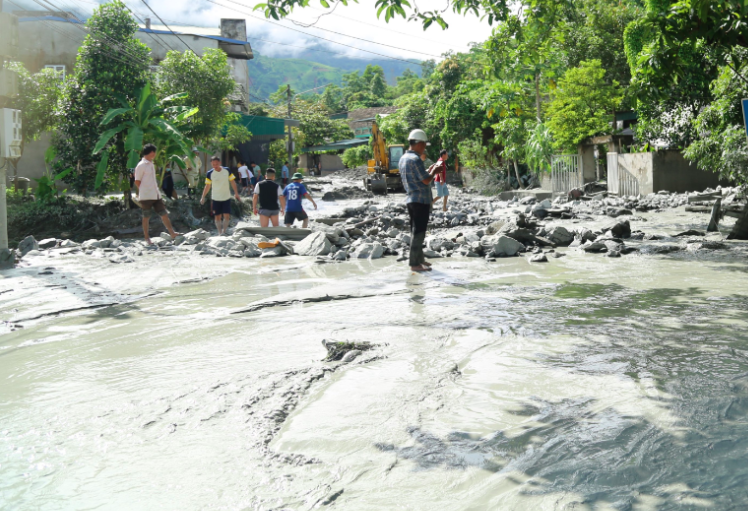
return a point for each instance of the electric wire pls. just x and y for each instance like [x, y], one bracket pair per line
[341, 34]
[187, 47]
[312, 35]
[153, 35]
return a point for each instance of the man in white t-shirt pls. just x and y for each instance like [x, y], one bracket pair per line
[220, 181]
[149, 197]
[244, 176]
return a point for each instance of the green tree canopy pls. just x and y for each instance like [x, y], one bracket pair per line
[100, 81]
[583, 105]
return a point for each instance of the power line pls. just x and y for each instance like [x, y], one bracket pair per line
[346, 35]
[123, 58]
[152, 34]
[167, 26]
[312, 35]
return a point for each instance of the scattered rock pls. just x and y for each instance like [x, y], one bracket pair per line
[560, 236]
[538, 258]
[502, 246]
[27, 245]
[690, 232]
[369, 251]
[7, 259]
[337, 350]
[316, 244]
[47, 243]
[351, 356]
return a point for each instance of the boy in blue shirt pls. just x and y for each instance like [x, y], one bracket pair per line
[294, 193]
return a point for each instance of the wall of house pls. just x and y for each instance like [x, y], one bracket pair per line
[672, 172]
[638, 165]
[31, 164]
[666, 170]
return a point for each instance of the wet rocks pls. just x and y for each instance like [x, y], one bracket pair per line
[620, 229]
[690, 232]
[7, 259]
[27, 245]
[337, 350]
[538, 258]
[316, 244]
[560, 236]
[47, 243]
[502, 246]
[369, 251]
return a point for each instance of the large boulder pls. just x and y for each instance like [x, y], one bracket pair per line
[47, 243]
[560, 236]
[501, 246]
[27, 244]
[7, 259]
[316, 244]
[620, 229]
[369, 251]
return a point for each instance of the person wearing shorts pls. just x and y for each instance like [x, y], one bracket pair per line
[244, 176]
[220, 181]
[268, 200]
[149, 197]
[440, 178]
[284, 174]
[294, 192]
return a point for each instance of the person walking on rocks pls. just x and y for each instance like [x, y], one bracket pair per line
[268, 201]
[220, 181]
[441, 179]
[148, 195]
[417, 183]
[284, 174]
[244, 175]
[294, 209]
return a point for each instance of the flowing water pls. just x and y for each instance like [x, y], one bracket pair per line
[587, 383]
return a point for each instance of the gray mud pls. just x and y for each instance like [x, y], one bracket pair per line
[585, 382]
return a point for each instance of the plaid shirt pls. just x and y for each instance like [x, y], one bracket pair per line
[412, 173]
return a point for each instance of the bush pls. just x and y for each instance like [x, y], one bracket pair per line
[356, 156]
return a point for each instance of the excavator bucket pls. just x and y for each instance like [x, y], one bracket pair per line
[378, 184]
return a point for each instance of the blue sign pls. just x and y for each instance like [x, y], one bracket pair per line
[744, 104]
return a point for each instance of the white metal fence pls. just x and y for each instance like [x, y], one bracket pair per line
[621, 182]
[566, 173]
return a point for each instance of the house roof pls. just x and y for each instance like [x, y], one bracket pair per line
[337, 146]
[206, 35]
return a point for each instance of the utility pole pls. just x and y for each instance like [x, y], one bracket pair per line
[290, 134]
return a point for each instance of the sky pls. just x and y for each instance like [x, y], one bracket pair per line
[397, 39]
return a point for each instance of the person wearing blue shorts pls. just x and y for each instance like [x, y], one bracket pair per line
[440, 177]
[220, 180]
[294, 192]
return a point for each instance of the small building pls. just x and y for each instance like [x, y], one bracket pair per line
[361, 120]
[330, 161]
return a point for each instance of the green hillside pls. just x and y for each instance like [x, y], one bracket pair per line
[267, 74]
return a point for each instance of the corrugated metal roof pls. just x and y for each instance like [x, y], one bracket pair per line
[264, 126]
[336, 146]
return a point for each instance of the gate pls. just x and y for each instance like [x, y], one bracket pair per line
[566, 173]
[621, 182]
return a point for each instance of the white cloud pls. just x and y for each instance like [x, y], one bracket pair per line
[406, 40]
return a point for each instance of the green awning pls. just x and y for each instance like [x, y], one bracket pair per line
[342, 145]
[268, 128]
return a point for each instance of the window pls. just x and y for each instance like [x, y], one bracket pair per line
[60, 69]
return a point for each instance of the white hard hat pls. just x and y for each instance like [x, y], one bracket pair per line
[418, 136]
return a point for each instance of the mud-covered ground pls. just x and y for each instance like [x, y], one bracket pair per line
[187, 381]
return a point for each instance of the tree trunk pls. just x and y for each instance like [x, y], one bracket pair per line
[537, 96]
[714, 220]
[516, 173]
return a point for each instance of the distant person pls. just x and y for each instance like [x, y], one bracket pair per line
[244, 176]
[257, 172]
[167, 185]
[220, 181]
[148, 195]
[284, 174]
[191, 172]
[417, 183]
[440, 168]
[294, 209]
[269, 196]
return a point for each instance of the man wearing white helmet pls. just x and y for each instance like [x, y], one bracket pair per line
[417, 182]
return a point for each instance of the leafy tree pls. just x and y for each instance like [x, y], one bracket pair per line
[98, 84]
[258, 109]
[583, 105]
[407, 83]
[37, 99]
[378, 87]
[315, 125]
[281, 95]
[145, 120]
[427, 69]
[356, 156]
[332, 98]
[207, 82]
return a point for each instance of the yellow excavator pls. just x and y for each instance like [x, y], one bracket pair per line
[383, 173]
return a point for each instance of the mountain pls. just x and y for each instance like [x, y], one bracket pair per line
[316, 69]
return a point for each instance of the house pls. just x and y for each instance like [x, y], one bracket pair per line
[58, 36]
[360, 120]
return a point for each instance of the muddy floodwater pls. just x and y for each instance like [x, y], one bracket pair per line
[587, 383]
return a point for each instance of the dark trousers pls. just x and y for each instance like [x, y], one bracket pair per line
[419, 221]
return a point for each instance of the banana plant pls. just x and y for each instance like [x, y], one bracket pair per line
[145, 120]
